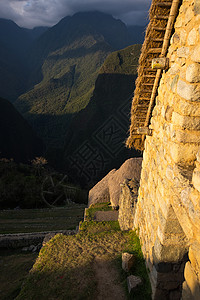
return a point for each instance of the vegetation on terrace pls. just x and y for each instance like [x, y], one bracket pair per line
[65, 268]
[43, 219]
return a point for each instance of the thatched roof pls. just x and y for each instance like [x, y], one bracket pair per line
[162, 16]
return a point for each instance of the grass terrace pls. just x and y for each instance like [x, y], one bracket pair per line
[87, 265]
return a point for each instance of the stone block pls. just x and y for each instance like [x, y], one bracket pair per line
[163, 203]
[192, 37]
[194, 256]
[193, 72]
[174, 83]
[183, 36]
[169, 229]
[196, 179]
[193, 212]
[188, 91]
[182, 216]
[127, 261]
[192, 281]
[183, 52]
[196, 54]
[186, 122]
[183, 153]
[101, 216]
[187, 108]
[183, 73]
[189, 14]
[174, 69]
[197, 7]
[184, 136]
[169, 253]
[170, 239]
[133, 282]
[175, 38]
[195, 198]
[169, 173]
[179, 22]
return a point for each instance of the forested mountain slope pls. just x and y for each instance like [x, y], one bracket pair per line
[17, 139]
[95, 141]
[64, 65]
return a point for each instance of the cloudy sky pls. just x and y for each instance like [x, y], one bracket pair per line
[31, 13]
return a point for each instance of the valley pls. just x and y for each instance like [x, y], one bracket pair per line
[67, 82]
[65, 96]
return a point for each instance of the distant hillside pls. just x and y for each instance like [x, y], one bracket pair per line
[17, 139]
[14, 44]
[36, 32]
[65, 61]
[95, 139]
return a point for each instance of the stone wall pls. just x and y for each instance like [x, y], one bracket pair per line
[20, 240]
[168, 209]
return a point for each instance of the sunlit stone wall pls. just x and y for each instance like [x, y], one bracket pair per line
[168, 209]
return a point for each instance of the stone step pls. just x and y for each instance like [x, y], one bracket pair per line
[101, 216]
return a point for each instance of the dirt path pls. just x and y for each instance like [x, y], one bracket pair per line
[108, 283]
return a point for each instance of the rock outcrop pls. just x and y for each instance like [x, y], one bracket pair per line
[109, 188]
[130, 169]
[100, 192]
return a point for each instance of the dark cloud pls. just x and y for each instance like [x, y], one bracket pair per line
[30, 13]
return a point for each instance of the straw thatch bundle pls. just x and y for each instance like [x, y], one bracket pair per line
[162, 15]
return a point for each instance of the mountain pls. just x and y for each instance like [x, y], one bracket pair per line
[95, 141]
[17, 139]
[14, 44]
[13, 41]
[36, 32]
[65, 61]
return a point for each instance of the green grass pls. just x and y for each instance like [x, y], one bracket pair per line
[65, 266]
[124, 61]
[14, 269]
[69, 76]
[36, 220]
[97, 207]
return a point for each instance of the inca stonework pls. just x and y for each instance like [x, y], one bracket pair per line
[168, 209]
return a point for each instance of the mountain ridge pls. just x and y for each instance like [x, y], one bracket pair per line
[14, 44]
[65, 63]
